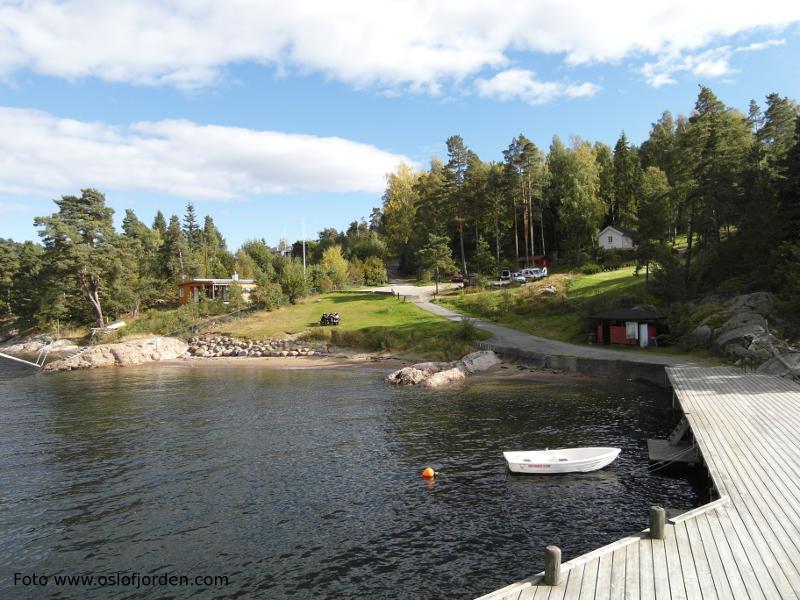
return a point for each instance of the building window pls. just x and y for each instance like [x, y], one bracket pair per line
[180, 292]
[631, 330]
[611, 239]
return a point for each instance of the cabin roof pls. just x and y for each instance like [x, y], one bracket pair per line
[628, 314]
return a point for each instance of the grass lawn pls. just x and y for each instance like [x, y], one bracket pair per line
[374, 322]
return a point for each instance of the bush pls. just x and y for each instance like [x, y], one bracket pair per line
[374, 271]
[591, 268]
[269, 296]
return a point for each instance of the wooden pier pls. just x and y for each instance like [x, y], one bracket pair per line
[746, 544]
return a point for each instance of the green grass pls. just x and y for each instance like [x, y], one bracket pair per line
[373, 322]
[599, 284]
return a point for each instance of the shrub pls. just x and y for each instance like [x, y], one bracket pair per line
[374, 271]
[591, 268]
[269, 295]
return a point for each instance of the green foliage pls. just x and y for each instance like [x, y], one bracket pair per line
[374, 271]
[268, 295]
[292, 280]
[335, 268]
[591, 268]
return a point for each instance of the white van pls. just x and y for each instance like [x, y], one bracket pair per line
[534, 273]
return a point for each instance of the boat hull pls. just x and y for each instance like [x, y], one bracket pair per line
[556, 462]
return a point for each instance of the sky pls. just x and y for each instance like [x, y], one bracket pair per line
[277, 117]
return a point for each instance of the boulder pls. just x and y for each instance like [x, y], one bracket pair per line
[407, 376]
[549, 290]
[480, 361]
[444, 378]
[440, 374]
[783, 365]
[700, 336]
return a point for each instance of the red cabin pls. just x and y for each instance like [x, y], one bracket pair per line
[627, 327]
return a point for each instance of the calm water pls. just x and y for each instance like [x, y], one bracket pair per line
[299, 484]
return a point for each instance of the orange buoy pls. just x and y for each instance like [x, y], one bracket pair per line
[428, 473]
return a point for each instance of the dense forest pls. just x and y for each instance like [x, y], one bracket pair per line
[725, 182]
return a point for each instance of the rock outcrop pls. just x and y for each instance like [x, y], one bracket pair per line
[441, 374]
[34, 345]
[121, 355]
[783, 365]
[741, 331]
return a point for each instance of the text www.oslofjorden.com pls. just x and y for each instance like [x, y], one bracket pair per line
[119, 579]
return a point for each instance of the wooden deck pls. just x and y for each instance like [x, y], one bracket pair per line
[744, 545]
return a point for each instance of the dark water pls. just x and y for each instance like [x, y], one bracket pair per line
[300, 484]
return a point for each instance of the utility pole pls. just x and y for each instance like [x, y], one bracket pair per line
[304, 248]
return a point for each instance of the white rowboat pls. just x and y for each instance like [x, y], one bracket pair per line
[566, 460]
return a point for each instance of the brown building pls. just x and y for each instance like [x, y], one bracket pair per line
[214, 289]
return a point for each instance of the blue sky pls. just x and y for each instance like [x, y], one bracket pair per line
[264, 114]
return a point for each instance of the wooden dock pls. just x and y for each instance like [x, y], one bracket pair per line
[746, 544]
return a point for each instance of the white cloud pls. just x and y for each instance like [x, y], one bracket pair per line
[713, 63]
[757, 46]
[44, 154]
[413, 44]
[522, 84]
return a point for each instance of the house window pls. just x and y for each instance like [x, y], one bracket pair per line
[631, 330]
[180, 292]
[611, 239]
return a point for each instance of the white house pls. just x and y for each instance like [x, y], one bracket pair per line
[616, 238]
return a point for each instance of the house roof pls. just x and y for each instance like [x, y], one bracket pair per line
[628, 314]
[631, 233]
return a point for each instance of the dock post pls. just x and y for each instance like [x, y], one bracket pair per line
[552, 565]
[657, 522]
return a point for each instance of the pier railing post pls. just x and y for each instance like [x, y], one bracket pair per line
[552, 565]
[657, 522]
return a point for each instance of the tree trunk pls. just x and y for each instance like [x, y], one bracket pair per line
[94, 298]
[578, 254]
[497, 237]
[516, 235]
[463, 254]
[530, 221]
[689, 236]
[541, 225]
[525, 229]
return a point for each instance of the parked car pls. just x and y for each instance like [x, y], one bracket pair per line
[518, 278]
[457, 278]
[532, 273]
[505, 275]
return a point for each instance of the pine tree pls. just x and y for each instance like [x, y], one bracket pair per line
[191, 230]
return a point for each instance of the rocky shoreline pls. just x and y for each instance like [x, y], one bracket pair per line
[210, 346]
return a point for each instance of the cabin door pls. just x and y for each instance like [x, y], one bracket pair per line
[606, 333]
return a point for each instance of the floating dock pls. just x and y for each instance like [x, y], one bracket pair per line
[746, 544]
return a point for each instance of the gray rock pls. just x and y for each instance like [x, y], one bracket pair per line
[407, 376]
[700, 336]
[444, 378]
[783, 365]
[479, 361]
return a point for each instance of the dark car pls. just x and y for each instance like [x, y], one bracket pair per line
[457, 278]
